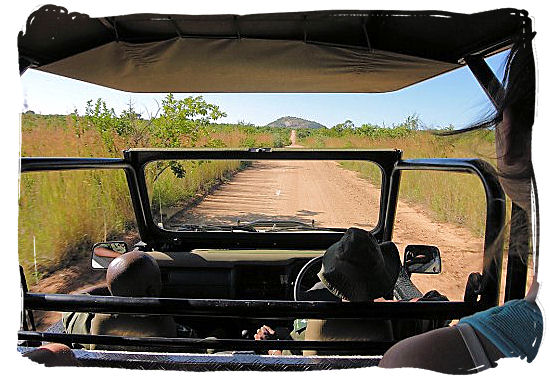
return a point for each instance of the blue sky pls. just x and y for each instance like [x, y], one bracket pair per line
[453, 98]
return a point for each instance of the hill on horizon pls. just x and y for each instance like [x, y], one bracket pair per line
[295, 123]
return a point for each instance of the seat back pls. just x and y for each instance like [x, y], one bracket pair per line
[346, 330]
[133, 326]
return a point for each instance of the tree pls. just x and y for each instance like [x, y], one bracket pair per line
[99, 117]
[182, 122]
[412, 122]
[343, 127]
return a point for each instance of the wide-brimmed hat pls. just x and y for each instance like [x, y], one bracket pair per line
[319, 292]
[358, 268]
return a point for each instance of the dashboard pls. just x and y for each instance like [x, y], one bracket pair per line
[232, 274]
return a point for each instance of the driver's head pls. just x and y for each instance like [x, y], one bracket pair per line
[358, 268]
[134, 274]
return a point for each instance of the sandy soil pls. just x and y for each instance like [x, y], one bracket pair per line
[298, 190]
[319, 190]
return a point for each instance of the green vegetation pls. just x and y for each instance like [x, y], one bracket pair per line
[62, 213]
[347, 129]
[250, 135]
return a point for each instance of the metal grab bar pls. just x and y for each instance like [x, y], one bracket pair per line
[250, 309]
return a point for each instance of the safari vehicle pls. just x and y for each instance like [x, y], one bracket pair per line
[244, 273]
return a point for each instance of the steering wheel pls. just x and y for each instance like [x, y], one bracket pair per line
[307, 277]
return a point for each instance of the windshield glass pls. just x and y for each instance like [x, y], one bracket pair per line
[273, 194]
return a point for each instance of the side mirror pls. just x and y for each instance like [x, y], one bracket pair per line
[104, 253]
[424, 259]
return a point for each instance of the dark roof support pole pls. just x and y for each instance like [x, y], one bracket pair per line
[518, 246]
[518, 254]
[486, 78]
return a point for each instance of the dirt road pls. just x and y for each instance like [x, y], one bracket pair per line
[297, 190]
[330, 195]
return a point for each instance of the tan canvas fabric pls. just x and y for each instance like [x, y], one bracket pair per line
[244, 65]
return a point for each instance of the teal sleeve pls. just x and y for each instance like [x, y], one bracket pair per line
[514, 328]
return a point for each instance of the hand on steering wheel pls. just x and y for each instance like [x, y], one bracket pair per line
[266, 333]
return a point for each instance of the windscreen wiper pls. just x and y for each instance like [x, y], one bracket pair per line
[276, 225]
[267, 225]
[214, 227]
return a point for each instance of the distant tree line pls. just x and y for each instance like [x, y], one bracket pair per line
[410, 125]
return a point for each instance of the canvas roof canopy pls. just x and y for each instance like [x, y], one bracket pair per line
[320, 51]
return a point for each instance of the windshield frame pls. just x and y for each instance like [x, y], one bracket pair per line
[269, 222]
[159, 238]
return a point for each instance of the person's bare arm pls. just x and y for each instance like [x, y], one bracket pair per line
[440, 350]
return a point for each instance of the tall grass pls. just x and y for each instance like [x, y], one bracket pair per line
[62, 213]
[453, 197]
